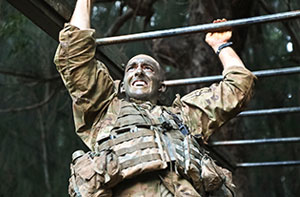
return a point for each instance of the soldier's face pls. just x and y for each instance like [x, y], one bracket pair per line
[142, 79]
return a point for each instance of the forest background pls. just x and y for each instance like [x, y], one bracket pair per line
[37, 134]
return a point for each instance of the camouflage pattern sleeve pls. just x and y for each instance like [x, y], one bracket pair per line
[87, 80]
[207, 109]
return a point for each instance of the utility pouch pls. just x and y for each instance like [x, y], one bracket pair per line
[93, 174]
[138, 149]
[193, 161]
[217, 180]
[211, 174]
[193, 155]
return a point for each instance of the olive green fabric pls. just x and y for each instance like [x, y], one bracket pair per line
[96, 106]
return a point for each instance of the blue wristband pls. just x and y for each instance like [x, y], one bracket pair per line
[222, 46]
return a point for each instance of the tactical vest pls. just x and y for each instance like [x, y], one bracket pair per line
[136, 140]
[140, 141]
[145, 142]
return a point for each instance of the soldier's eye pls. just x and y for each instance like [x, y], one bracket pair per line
[148, 68]
[130, 68]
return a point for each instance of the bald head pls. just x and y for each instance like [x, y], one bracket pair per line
[143, 56]
[143, 78]
[148, 60]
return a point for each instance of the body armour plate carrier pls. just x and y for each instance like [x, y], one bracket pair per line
[136, 141]
[140, 142]
[143, 142]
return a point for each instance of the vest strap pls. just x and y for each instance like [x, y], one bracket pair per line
[124, 137]
[136, 147]
[145, 158]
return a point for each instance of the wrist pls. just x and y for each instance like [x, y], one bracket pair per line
[222, 46]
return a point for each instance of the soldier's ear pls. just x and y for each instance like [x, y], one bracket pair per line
[122, 88]
[162, 88]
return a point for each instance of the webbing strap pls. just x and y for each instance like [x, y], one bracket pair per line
[124, 137]
[180, 163]
[139, 160]
[198, 166]
[136, 147]
[180, 152]
[177, 141]
[132, 120]
[196, 153]
[192, 157]
[182, 127]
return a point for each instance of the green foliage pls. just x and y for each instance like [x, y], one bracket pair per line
[267, 49]
[36, 136]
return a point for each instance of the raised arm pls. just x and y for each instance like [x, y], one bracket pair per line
[227, 55]
[87, 79]
[209, 108]
[82, 14]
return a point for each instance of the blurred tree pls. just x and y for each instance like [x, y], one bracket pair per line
[36, 120]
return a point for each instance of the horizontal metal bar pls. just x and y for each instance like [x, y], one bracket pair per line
[261, 112]
[197, 28]
[255, 141]
[262, 73]
[267, 164]
[276, 72]
[191, 81]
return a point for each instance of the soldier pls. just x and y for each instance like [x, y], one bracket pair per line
[139, 148]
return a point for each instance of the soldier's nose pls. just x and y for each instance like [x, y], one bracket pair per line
[139, 71]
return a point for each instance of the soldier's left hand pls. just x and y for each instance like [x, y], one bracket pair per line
[215, 39]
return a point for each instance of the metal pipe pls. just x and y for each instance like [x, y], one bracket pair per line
[262, 73]
[255, 141]
[267, 164]
[197, 28]
[275, 72]
[269, 111]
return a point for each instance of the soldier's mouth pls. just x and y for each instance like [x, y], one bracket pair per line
[139, 83]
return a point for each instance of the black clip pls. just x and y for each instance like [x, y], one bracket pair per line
[183, 129]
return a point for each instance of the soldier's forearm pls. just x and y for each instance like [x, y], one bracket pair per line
[229, 58]
[81, 14]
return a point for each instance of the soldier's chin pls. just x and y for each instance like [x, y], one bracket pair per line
[140, 96]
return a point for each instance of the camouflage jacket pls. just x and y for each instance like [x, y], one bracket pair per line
[95, 94]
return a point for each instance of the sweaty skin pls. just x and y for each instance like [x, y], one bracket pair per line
[142, 79]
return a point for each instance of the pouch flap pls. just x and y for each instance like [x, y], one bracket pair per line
[212, 178]
[84, 167]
